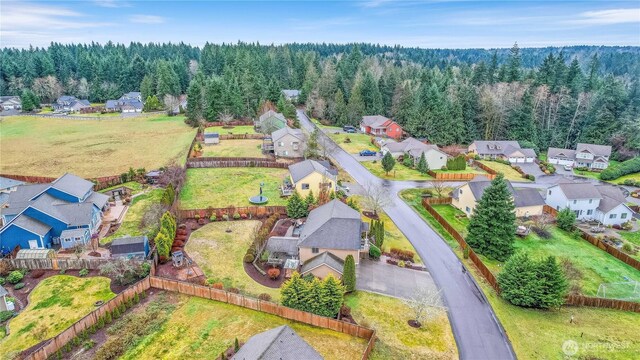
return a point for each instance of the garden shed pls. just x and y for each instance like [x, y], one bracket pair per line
[36, 254]
[211, 138]
[130, 247]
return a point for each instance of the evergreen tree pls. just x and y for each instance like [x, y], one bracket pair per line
[513, 67]
[518, 281]
[371, 95]
[349, 274]
[553, 283]
[151, 104]
[196, 98]
[296, 206]
[356, 108]
[310, 200]
[423, 166]
[29, 100]
[492, 228]
[521, 120]
[332, 295]
[566, 219]
[340, 113]
[313, 148]
[315, 300]
[294, 292]
[407, 160]
[388, 162]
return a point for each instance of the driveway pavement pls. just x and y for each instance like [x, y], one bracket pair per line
[380, 277]
[367, 158]
[531, 168]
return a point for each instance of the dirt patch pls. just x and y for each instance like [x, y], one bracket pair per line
[281, 227]
[414, 324]
[370, 215]
[263, 279]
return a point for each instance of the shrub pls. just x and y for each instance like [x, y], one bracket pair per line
[566, 219]
[264, 297]
[197, 217]
[218, 285]
[108, 318]
[626, 167]
[374, 252]
[349, 274]
[233, 290]
[6, 315]
[63, 271]
[18, 286]
[15, 277]
[248, 258]
[212, 218]
[35, 274]
[89, 344]
[5, 268]
[225, 217]
[2, 281]
[345, 310]
[401, 263]
[236, 216]
[628, 248]
[83, 272]
[273, 273]
[465, 252]
[531, 177]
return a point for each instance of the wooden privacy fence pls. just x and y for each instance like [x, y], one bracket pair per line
[451, 176]
[55, 264]
[100, 182]
[254, 211]
[581, 300]
[52, 346]
[241, 136]
[484, 270]
[231, 123]
[213, 162]
[439, 201]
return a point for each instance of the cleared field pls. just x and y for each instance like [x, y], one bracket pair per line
[509, 172]
[202, 329]
[220, 255]
[399, 172]
[91, 148]
[358, 142]
[243, 129]
[54, 304]
[234, 148]
[223, 187]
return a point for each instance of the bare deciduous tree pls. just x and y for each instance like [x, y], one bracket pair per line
[543, 221]
[327, 146]
[438, 186]
[171, 104]
[376, 197]
[225, 117]
[425, 305]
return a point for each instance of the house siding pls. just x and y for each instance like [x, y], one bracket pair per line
[584, 208]
[14, 236]
[323, 271]
[62, 195]
[291, 147]
[306, 254]
[618, 212]
[435, 159]
[314, 180]
[57, 225]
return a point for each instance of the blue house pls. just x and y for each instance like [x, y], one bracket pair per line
[38, 215]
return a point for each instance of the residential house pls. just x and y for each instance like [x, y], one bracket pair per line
[310, 176]
[10, 103]
[503, 150]
[68, 103]
[5, 305]
[127, 103]
[37, 214]
[603, 203]
[288, 142]
[291, 95]
[211, 138]
[270, 121]
[130, 247]
[593, 157]
[378, 125]
[7, 186]
[527, 201]
[281, 343]
[435, 157]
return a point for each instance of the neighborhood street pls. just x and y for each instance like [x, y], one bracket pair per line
[478, 333]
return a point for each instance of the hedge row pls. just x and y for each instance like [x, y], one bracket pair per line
[627, 167]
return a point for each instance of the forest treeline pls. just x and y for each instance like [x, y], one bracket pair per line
[542, 96]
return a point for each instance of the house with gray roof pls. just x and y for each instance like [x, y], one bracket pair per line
[288, 142]
[590, 156]
[281, 343]
[270, 121]
[310, 176]
[69, 103]
[603, 203]
[10, 103]
[414, 148]
[291, 95]
[37, 216]
[7, 186]
[501, 149]
[129, 102]
[528, 202]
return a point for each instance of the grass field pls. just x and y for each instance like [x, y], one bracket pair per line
[243, 129]
[131, 225]
[88, 148]
[596, 175]
[223, 187]
[97, 115]
[509, 172]
[54, 304]
[202, 329]
[620, 180]
[537, 334]
[399, 172]
[219, 254]
[396, 339]
[358, 142]
[234, 148]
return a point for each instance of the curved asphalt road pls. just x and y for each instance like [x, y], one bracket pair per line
[478, 333]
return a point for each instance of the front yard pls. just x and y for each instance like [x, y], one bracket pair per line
[509, 172]
[54, 304]
[132, 222]
[220, 255]
[223, 187]
[236, 130]
[399, 172]
[357, 142]
[234, 148]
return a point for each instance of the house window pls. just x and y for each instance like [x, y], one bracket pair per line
[613, 216]
[623, 216]
[315, 250]
[305, 186]
[460, 191]
[590, 201]
[467, 209]
[281, 144]
[549, 192]
[589, 212]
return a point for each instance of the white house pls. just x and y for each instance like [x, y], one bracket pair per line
[604, 203]
[594, 157]
[10, 103]
[435, 157]
[501, 149]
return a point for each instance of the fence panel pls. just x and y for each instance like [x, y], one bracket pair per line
[581, 300]
[254, 211]
[206, 162]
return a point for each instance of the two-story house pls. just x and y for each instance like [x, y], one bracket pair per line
[378, 125]
[39, 216]
[310, 176]
[604, 203]
[593, 157]
[503, 150]
[288, 142]
[10, 103]
[528, 202]
[414, 148]
[270, 121]
[129, 102]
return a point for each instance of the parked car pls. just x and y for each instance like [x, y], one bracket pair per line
[349, 129]
[568, 167]
[368, 153]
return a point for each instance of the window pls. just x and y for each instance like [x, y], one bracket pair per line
[623, 216]
[590, 201]
[575, 201]
[589, 212]
[549, 192]
[467, 209]
[613, 216]
[305, 186]
[460, 191]
[281, 143]
[315, 250]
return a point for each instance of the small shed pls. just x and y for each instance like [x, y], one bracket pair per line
[35, 254]
[136, 247]
[4, 304]
[211, 138]
[74, 237]
[152, 177]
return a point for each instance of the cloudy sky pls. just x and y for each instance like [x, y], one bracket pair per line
[435, 23]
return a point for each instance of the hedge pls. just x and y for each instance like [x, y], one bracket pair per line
[627, 167]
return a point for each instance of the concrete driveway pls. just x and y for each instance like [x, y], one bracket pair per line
[367, 158]
[380, 277]
[531, 168]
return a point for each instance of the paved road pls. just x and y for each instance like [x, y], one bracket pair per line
[478, 333]
[380, 277]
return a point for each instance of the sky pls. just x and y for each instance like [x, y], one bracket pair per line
[410, 23]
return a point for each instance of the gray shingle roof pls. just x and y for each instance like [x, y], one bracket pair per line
[281, 343]
[282, 244]
[574, 191]
[280, 133]
[73, 233]
[333, 225]
[6, 183]
[76, 214]
[302, 169]
[374, 120]
[32, 225]
[211, 135]
[325, 258]
[561, 153]
[291, 93]
[612, 197]
[98, 199]
[270, 114]
[494, 147]
[129, 244]
[412, 146]
[73, 185]
[598, 150]
[527, 197]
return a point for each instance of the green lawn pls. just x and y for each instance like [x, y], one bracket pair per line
[596, 175]
[55, 304]
[538, 334]
[631, 236]
[202, 329]
[396, 339]
[509, 172]
[91, 148]
[589, 174]
[243, 129]
[219, 254]
[234, 148]
[98, 115]
[399, 172]
[449, 212]
[131, 225]
[223, 187]
[358, 142]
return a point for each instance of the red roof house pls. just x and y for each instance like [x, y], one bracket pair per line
[379, 125]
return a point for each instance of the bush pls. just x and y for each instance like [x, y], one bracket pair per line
[35, 274]
[225, 217]
[627, 167]
[83, 272]
[5, 268]
[374, 252]
[566, 219]
[465, 252]
[218, 285]
[236, 216]
[628, 248]
[2, 281]
[405, 255]
[248, 258]
[6, 315]
[18, 286]
[273, 273]
[345, 310]
[401, 263]
[15, 277]
[212, 218]
[349, 274]
[264, 297]
[531, 177]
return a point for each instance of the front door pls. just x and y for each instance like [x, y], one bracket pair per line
[33, 244]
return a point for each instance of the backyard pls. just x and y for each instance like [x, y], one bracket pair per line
[203, 329]
[91, 148]
[220, 255]
[358, 142]
[132, 222]
[54, 304]
[396, 339]
[223, 187]
[242, 129]
[509, 172]
[234, 148]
